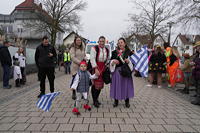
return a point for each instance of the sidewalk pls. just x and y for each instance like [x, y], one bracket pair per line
[152, 110]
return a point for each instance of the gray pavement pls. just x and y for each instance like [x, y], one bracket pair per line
[152, 110]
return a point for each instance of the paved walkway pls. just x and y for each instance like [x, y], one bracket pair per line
[152, 110]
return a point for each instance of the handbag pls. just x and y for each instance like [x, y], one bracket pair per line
[125, 71]
[106, 76]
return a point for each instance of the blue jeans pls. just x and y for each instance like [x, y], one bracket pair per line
[6, 75]
[67, 67]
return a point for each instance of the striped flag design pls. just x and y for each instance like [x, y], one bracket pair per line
[45, 101]
[140, 60]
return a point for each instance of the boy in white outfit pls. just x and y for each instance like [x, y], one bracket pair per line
[81, 84]
[17, 74]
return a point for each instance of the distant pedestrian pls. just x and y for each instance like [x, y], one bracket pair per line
[60, 59]
[46, 58]
[121, 87]
[81, 85]
[6, 63]
[77, 53]
[20, 56]
[17, 73]
[67, 61]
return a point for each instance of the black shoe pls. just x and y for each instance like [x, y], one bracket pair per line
[96, 104]
[195, 102]
[184, 91]
[115, 103]
[127, 105]
[41, 94]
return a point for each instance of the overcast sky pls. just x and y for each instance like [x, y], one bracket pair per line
[101, 17]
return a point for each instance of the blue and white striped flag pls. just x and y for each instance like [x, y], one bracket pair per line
[45, 101]
[140, 60]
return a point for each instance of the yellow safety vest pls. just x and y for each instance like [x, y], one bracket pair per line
[67, 57]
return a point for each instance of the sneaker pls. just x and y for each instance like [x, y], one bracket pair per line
[159, 86]
[96, 104]
[87, 107]
[169, 86]
[7, 87]
[75, 111]
[149, 85]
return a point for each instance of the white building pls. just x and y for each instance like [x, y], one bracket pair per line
[27, 11]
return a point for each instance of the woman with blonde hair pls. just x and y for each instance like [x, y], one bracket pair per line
[77, 52]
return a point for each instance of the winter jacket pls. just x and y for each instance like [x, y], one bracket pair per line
[42, 58]
[5, 56]
[196, 71]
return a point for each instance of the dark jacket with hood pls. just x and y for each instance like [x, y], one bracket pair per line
[5, 56]
[42, 58]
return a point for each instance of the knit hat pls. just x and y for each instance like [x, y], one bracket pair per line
[83, 62]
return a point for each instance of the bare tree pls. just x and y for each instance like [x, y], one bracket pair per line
[57, 15]
[153, 17]
[189, 13]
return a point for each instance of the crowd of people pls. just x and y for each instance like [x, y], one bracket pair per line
[167, 62]
[163, 62]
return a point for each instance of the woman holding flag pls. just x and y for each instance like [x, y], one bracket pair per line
[121, 87]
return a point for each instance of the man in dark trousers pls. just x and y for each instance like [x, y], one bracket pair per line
[6, 63]
[45, 58]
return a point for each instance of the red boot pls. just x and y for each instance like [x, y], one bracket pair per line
[75, 111]
[87, 107]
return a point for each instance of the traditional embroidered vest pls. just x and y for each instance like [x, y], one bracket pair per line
[84, 80]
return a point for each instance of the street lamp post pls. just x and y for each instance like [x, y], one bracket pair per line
[170, 26]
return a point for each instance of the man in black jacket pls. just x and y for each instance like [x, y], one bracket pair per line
[45, 58]
[6, 63]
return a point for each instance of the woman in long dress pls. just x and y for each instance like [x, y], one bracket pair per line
[121, 87]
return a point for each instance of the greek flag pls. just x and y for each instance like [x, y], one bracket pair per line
[45, 101]
[140, 60]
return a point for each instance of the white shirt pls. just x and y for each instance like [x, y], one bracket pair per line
[17, 73]
[21, 58]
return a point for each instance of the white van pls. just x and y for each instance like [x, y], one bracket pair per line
[90, 45]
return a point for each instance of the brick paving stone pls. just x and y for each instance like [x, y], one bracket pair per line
[35, 127]
[7, 119]
[20, 127]
[144, 121]
[134, 115]
[158, 121]
[59, 114]
[116, 110]
[50, 127]
[131, 121]
[76, 120]
[62, 120]
[104, 120]
[172, 128]
[195, 121]
[35, 120]
[127, 128]
[48, 120]
[22, 114]
[197, 128]
[170, 116]
[21, 119]
[182, 116]
[117, 120]
[112, 127]
[10, 114]
[85, 115]
[81, 127]
[102, 110]
[34, 114]
[122, 115]
[97, 115]
[96, 127]
[65, 127]
[146, 115]
[6, 126]
[186, 128]
[184, 121]
[47, 114]
[159, 115]
[89, 120]
[157, 128]
[125, 110]
[142, 128]
[171, 121]
[106, 115]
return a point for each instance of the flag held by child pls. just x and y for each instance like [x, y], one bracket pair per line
[45, 101]
[140, 60]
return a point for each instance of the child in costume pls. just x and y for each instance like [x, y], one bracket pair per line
[81, 84]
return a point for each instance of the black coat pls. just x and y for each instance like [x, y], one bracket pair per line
[42, 58]
[5, 56]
